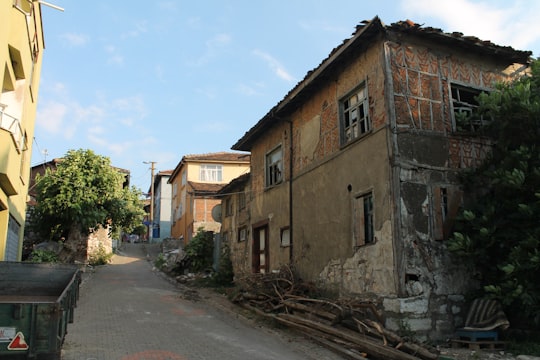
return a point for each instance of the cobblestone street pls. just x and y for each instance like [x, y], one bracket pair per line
[126, 311]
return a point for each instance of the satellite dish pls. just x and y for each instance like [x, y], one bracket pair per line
[216, 213]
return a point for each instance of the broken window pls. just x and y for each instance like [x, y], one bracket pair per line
[446, 201]
[241, 201]
[228, 207]
[242, 234]
[363, 226]
[355, 115]
[465, 105]
[274, 167]
[285, 236]
[211, 173]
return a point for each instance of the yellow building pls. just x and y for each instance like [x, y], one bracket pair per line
[21, 51]
[195, 182]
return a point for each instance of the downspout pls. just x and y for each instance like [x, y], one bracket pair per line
[291, 252]
[397, 245]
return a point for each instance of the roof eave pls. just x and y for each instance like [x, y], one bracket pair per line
[245, 143]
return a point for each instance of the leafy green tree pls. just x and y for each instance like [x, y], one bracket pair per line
[499, 230]
[84, 191]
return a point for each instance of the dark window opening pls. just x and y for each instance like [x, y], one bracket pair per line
[465, 106]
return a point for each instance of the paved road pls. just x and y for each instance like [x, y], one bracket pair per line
[126, 311]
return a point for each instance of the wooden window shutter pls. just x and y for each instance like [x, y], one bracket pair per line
[446, 202]
[455, 200]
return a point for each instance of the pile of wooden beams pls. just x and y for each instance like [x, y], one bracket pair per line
[351, 327]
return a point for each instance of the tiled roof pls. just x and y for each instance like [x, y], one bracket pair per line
[164, 172]
[219, 156]
[361, 38]
[235, 183]
[205, 188]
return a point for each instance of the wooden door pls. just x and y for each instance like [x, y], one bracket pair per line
[260, 256]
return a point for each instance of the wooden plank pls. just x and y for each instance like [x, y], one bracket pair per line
[375, 350]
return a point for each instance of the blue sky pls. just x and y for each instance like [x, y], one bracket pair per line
[156, 80]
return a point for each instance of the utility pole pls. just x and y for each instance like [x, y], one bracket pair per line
[151, 227]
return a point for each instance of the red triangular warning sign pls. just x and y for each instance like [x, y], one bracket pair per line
[18, 343]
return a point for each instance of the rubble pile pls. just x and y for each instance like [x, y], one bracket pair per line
[352, 327]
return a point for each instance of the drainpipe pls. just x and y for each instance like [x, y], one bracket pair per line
[291, 252]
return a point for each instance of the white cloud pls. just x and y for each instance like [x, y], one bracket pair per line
[160, 73]
[207, 92]
[275, 65]
[512, 23]
[213, 47]
[167, 5]
[51, 116]
[115, 60]
[75, 39]
[141, 27]
[131, 104]
[114, 57]
[90, 115]
[246, 90]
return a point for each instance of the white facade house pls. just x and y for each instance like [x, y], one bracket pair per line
[162, 206]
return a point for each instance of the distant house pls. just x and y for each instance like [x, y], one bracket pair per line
[162, 206]
[235, 223]
[195, 182]
[21, 55]
[355, 173]
[98, 238]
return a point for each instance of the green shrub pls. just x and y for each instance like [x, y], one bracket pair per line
[100, 256]
[43, 256]
[225, 275]
[160, 261]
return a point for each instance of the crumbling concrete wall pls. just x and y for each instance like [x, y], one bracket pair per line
[430, 154]
[99, 242]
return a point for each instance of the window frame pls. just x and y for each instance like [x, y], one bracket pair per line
[460, 102]
[273, 169]
[285, 231]
[352, 127]
[446, 201]
[242, 234]
[229, 206]
[213, 171]
[363, 232]
[241, 200]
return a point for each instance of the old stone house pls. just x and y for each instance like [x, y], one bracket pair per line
[235, 221]
[195, 183]
[354, 173]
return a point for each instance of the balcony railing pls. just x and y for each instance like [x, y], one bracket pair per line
[13, 125]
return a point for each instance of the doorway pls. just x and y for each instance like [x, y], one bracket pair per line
[260, 256]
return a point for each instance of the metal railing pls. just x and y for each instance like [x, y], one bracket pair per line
[13, 125]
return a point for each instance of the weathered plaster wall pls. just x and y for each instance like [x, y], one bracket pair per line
[409, 155]
[323, 203]
[99, 241]
[328, 177]
[271, 204]
[429, 155]
[241, 250]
